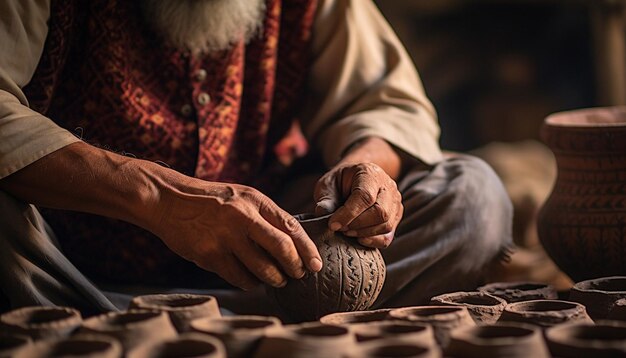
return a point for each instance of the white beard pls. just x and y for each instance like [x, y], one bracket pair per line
[205, 25]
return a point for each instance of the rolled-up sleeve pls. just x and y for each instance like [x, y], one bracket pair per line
[363, 84]
[25, 135]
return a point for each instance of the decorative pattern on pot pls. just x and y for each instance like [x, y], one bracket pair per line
[582, 225]
[395, 348]
[545, 313]
[484, 308]
[356, 317]
[351, 278]
[520, 291]
[599, 295]
[504, 340]
[132, 327]
[605, 339]
[185, 345]
[81, 345]
[41, 322]
[443, 319]
[182, 308]
[11, 344]
[406, 331]
[241, 335]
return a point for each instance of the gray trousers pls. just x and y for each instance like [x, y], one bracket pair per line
[457, 221]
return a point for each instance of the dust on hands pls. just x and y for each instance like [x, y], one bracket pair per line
[365, 200]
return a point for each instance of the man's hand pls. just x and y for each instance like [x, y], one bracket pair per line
[236, 232]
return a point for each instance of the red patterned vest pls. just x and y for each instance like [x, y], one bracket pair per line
[105, 74]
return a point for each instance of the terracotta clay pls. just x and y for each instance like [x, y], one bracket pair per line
[308, 340]
[10, 344]
[350, 280]
[605, 339]
[484, 308]
[182, 308]
[41, 322]
[185, 345]
[132, 327]
[498, 341]
[415, 332]
[520, 291]
[92, 346]
[545, 313]
[618, 311]
[241, 335]
[599, 295]
[356, 317]
[583, 223]
[443, 319]
[395, 348]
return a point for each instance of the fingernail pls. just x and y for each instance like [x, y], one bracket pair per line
[334, 226]
[366, 242]
[351, 233]
[281, 284]
[315, 264]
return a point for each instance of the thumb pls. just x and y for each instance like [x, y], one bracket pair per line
[326, 196]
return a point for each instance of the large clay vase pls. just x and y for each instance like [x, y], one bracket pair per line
[582, 226]
[350, 280]
[40, 322]
[182, 308]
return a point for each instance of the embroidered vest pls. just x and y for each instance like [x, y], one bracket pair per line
[106, 76]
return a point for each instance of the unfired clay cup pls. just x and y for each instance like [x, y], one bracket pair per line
[182, 308]
[599, 295]
[41, 322]
[356, 317]
[132, 328]
[605, 339]
[241, 335]
[395, 348]
[520, 291]
[443, 319]
[185, 345]
[10, 344]
[483, 307]
[414, 332]
[545, 313]
[81, 345]
[308, 340]
[506, 340]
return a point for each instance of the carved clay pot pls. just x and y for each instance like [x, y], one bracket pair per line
[484, 308]
[356, 317]
[41, 322]
[308, 340]
[350, 280]
[82, 345]
[241, 335]
[605, 339]
[415, 332]
[182, 308]
[443, 319]
[10, 344]
[395, 348]
[132, 328]
[582, 226]
[520, 291]
[185, 345]
[498, 341]
[599, 295]
[618, 311]
[545, 313]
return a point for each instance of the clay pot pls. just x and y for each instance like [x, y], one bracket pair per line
[10, 344]
[93, 346]
[501, 340]
[182, 308]
[415, 332]
[545, 313]
[618, 312]
[395, 348]
[356, 317]
[351, 278]
[599, 295]
[241, 335]
[41, 322]
[132, 327]
[443, 319]
[605, 339]
[520, 291]
[484, 308]
[186, 345]
[308, 340]
[582, 225]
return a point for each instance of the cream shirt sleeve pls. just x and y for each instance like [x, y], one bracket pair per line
[25, 135]
[362, 84]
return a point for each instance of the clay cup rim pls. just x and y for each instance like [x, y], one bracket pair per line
[599, 117]
[471, 299]
[500, 334]
[35, 317]
[583, 335]
[240, 325]
[545, 308]
[173, 302]
[602, 285]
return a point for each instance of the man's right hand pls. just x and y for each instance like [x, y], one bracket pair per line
[234, 231]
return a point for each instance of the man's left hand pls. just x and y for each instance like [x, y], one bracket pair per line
[365, 200]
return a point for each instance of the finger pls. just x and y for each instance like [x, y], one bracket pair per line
[383, 209]
[259, 264]
[305, 247]
[363, 194]
[378, 241]
[231, 270]
[326, 195]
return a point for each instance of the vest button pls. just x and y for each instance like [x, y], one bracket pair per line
[186, 110]
[204, 98]
[199, 75]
